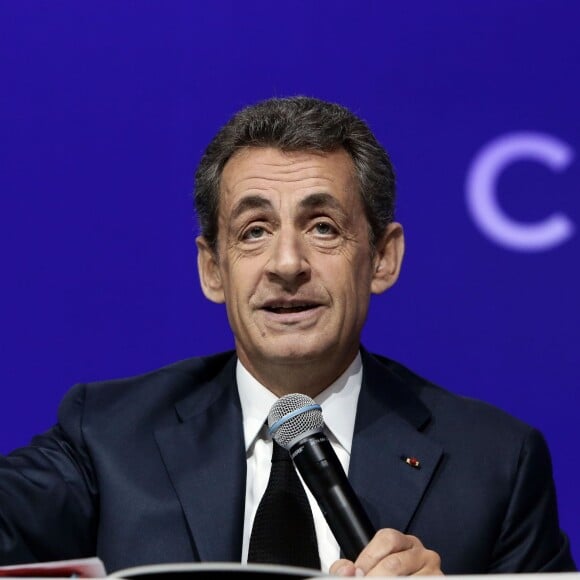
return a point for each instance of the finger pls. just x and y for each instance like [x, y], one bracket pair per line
[415, 561]
[385, 542]
[342, 568]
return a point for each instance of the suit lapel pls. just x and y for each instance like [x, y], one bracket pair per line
[203, 451]
[387, 432]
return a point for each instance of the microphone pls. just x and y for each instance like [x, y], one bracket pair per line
[295, 423]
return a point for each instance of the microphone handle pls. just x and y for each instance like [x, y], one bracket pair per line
[320, 468]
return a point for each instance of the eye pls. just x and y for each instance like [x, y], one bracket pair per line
[253, 233]
[324, 229]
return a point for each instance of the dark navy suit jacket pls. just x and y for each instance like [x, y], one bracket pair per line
[152, 469]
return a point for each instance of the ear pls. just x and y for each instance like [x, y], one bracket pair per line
[388, 258]
[209, 272]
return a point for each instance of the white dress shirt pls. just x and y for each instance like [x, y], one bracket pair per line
[338, 402]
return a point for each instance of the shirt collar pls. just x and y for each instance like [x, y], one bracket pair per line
[338, 402]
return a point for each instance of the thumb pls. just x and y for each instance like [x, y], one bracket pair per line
[342, 568]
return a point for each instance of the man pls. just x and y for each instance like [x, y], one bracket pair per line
[295, 199]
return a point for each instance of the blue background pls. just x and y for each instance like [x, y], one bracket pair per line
[106, 107]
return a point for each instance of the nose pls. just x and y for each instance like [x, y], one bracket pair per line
[288, 261]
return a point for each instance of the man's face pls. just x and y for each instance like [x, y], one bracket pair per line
[294, 263]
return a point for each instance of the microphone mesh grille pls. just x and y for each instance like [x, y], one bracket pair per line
[308, 422]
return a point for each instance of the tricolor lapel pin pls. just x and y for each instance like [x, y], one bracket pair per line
[412, 461]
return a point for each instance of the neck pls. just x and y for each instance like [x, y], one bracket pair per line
[307, 377]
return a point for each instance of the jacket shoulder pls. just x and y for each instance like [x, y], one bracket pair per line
[454, 412]
[149, 394]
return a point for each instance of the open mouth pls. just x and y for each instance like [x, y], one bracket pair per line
[290, 309]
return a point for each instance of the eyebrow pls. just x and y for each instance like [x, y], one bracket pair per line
[313, 201]
[317, 200]
[250, 202]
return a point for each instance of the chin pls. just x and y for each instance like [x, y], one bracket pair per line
[297, 353]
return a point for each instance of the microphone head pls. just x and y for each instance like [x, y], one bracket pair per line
[292, 418]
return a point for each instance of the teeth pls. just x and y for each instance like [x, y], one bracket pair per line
[287, 309]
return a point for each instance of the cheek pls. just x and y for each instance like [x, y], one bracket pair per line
[360, 287]
[360, 272]
[350, 287]
[242, 281]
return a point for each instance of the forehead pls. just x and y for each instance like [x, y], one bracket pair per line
[271, 170]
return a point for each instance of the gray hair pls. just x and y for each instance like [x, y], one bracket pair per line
[298, 124]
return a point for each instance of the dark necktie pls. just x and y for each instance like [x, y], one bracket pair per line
[283, 530]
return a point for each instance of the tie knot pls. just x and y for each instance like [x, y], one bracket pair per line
[279, 453]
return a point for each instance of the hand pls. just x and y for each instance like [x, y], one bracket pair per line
[391, 553]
